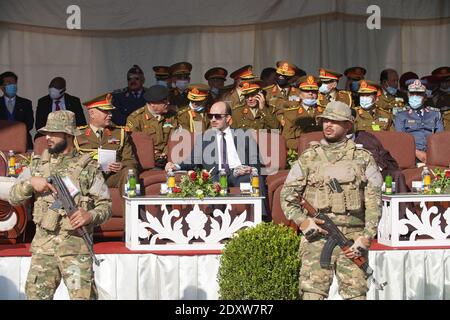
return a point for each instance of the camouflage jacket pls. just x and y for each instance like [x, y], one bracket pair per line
[54, 233]
[361, 181]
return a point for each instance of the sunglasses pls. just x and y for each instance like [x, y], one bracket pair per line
[217, 116]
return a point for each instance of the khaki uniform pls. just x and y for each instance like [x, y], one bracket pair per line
[233, 97]
[142, 120]
[373, 120]
[193, 121]
[355, 211]
[446, 120]
[296, 120]
[335, 95]
[391, 104]
[245, 117]
[277, 98]
[58, 251]
[113, 138]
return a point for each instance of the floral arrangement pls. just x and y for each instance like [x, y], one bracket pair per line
[196, 184]
[22, 162]
[441, 181]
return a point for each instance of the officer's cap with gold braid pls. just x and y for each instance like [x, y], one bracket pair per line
[367, 86]
[180, 68]
[161, 72]
[102, 102]
[327, 74]
[286, 69]
[197, 92]
[216, 73]
[244, 73]
[308, 82]
[251, 86]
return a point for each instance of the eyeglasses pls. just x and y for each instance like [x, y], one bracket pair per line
[217, 116]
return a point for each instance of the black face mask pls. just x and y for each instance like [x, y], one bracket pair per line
[282, 82]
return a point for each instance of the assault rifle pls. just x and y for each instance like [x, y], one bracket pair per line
[335, 237]
[65, 201]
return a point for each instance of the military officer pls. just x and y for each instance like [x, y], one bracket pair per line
[442, 95]
[180, 74]
[283, 94]
[405, 80]
[156, 118]
[234, 96]
[391, 99]
[57, 250]
[130, 98]
[354, 76]
[420, 120]
[299, 118]
[328, 89]
[194, 116]
[216, 80]
[253, 112]
[101, 133]
[369, 117]
[355, 211]
[162, 75]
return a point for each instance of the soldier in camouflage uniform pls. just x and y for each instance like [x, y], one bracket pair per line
[369, 116]
[253, 113]
[101, 133]
[297, 117]
[57, 249]
[355, 211]
[193, 117]
[156, 118]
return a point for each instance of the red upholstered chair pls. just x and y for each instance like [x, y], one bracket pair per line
[13, 136]
[438, 150]
[114, 228]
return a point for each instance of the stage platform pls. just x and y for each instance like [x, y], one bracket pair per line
[411, 273]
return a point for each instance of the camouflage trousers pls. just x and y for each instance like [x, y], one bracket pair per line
[315, 281]
[46, 272]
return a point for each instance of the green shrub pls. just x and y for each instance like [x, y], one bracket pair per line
[260, 263]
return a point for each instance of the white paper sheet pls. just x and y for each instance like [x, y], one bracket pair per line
[105, 157]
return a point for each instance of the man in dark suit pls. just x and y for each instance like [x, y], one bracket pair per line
[13, 107]
[58, 99]
[224, 148]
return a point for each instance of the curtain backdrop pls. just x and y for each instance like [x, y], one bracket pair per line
[414, 35]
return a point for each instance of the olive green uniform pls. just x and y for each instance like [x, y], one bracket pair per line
[245, 117]
[335, 95]
[374, 120]
[193, 121]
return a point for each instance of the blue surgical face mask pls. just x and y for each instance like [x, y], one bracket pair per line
[199, 108]
[391, 90]
[366, 102]
[11, 90]
[161, 83]
[309, 102]
[354, 86]
[215, 91]
[415, 102]
[324, 88]
[55, 93]
[429, 93]
[182, 84]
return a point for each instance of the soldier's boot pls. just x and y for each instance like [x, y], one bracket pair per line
[312, 296]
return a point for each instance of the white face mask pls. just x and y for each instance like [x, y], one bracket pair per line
[182, 84]
[55, 93]
[366, 102]
[161, 83]
[309, 102]
[415, 101]
[324, 88]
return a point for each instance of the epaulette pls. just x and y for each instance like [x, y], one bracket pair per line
[184, 110]
[138, 111]
[291, 108]
[82, 127]
[237, 106]
[434, 109]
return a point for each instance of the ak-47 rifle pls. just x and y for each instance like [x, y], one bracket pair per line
[335, 237]
[65, 201]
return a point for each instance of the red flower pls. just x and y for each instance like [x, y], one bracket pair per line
[217, 187]
[176, 190]
[205, 175]
[193, 176]
[447, 174]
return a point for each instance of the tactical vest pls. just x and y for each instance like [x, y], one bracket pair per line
[52, 219]
[350, 175]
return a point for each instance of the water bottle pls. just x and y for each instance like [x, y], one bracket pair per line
[255, 182]
[11, 163]
[426, 180]
[223, 181]
[131, 183]
[388, 184]
[170, 181]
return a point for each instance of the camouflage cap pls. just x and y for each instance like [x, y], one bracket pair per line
[337, 110]
[61, 121]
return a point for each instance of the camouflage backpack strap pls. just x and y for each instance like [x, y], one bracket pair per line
[320, 152]
[45, 163]
[82, 162]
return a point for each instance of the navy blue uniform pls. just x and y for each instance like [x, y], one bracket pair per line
[420, 126]
[126, 102]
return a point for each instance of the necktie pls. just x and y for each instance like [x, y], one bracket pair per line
[419, 113]
[224, 154]
[283, 92]
[100, 134]
[57, 108]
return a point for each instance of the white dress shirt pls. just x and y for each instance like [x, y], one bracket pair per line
[10, 103]
[232, 155]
